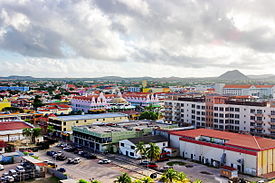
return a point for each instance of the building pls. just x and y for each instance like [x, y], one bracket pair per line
[120, 104]
[57, 109]
[249, 154]
[92, 103]
[133, 89]
[13, 130]
[65, 123]
[4, 103]
[127, 147]
[261, 91]
[17, 116]
[223, 113]
[14, 88]
[142, 99]
[106, 137]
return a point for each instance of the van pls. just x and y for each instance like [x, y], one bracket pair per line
[12, 172]
[20, 169]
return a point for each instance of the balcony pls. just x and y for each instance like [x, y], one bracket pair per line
[259, 114]
[271, 123]
[259, 122]
[258, 127]
[271, 129]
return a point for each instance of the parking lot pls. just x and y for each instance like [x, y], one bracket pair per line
[89, 168]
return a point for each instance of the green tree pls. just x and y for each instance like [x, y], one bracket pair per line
[181, 177]
[153, 151]
[140, 148]
[37, 102]
[83, 181]
[124, 178]
[50, 129]
[33, 133]
[147, 180]
[169, 176]
[148, 115]
[95, 181]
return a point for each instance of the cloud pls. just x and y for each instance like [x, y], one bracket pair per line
[188, 34]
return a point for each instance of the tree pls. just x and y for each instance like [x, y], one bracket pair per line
[147, 180]
[50, 129]
[37, 102]
[148, 115]
[153, 151]
[140, 148]
[169, 176]
[13, 109]
[33, 133]
[124, 178]
[181, 177]
[95, 181]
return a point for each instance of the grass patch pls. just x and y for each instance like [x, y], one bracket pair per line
[171, 163]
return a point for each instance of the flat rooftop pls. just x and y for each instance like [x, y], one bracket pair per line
[89, 116]
[124, 126]
[232, 139]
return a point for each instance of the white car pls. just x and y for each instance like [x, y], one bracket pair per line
[1, 167]
[20, 169]
[104, 161]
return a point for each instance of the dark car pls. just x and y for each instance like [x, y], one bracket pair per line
[144, 162]
[89, 156]
[62, 170]
[61, 157]
[51, 153]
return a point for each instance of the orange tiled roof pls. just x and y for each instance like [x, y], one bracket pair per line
[237, 86]
[233, 139]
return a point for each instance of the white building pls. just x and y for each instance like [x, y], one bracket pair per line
[223, 113]
[261, 91]
[13, 130]
[127, 147]
[248, 154]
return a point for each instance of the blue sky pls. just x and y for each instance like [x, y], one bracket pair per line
[91, 38]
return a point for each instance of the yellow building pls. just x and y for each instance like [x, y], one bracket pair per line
[63, 124]
[4, 103]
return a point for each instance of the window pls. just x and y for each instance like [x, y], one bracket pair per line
[132, 154]
[164, 144]
[133, 147]
[64, 129]
[122, 144]
[221, 108]
[64, 123]
[237, 109]
[252, 110]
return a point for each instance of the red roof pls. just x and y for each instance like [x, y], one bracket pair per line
[232, 139]
[13, 125]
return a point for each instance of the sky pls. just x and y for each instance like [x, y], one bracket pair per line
[132, 38]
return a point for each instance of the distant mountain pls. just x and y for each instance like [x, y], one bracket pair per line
[18, 78]
[233, 76]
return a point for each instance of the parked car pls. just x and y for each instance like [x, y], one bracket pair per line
[9, 179]
[70, 161]
[20, 169]
[12, 172]
[69, 149]
[76, 160]
[51, 153]
[52, 165]
[1, 167]
[61, 157]
[62, 170]
[89, 156]
[144, 162]
[104, 161]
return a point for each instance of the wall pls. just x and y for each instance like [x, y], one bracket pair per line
[266, 161]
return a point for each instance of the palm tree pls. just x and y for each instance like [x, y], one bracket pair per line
[140, 148]
[153, 151]
[33, 133]
[36, 132]
[124, 178]
[27, 132]
[181, 177]
[170, 176]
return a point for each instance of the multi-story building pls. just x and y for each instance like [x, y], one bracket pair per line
[106, 137]
[223, 113]
[246, 153]
[57, 109]
[261, 91]
[63, 124]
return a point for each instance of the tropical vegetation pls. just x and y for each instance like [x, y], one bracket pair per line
[32, 133]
